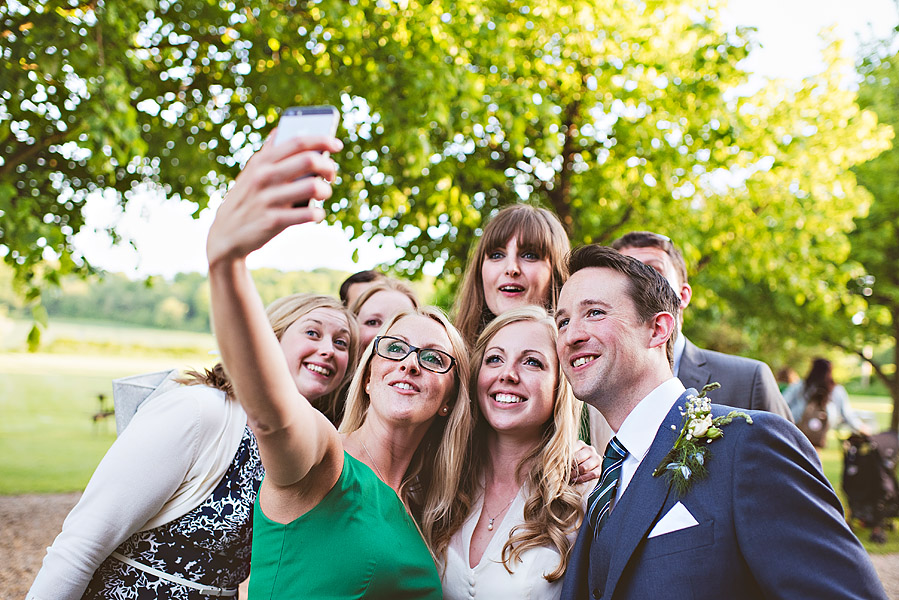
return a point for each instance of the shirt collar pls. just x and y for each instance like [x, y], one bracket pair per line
[680, 342]
[640, 427]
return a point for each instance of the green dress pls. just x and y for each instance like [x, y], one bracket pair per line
[358, 542]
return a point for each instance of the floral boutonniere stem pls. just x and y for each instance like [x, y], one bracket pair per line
[688, 460]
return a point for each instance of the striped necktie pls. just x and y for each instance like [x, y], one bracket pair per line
[600, 501]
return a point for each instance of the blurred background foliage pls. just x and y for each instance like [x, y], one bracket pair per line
[616, 114]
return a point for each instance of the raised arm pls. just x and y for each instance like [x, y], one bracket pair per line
[270, 195]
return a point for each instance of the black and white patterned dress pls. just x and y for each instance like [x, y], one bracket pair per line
[209, 545]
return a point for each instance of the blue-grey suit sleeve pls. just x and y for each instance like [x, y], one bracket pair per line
[795, 400]
[765, 393]
[788, 521]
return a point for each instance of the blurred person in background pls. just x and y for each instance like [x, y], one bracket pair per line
[819, 404]
[786, 377]
[357, 283]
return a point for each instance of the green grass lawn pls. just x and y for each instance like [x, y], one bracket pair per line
[48, 439]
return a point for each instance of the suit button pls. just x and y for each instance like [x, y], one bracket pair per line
[597, 593]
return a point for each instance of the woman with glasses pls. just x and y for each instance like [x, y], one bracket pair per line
[332, 517]
[519, 507]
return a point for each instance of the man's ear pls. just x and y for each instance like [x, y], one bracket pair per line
[663, 327]
[686, 294]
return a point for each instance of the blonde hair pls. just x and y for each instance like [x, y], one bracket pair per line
[282, 313]
[553, 508]
[383, 285]
[535, 229]
[429, 486]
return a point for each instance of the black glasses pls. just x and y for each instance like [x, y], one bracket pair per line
[431, 359]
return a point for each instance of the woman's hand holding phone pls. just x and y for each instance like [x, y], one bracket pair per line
[272, 193]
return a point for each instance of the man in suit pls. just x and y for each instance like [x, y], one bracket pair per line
[745, 383]
[763, 522]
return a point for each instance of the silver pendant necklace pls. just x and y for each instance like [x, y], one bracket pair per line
[494, 518]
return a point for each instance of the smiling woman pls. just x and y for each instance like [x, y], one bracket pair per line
[332, 517]
[184, 474]
[517, 524]
[320, 340]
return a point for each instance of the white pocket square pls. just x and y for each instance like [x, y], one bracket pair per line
[674, 520]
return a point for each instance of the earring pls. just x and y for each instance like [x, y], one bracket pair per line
[444, 411]
[368, 389]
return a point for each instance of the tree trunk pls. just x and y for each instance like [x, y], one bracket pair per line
[560, 195]
[894, 380]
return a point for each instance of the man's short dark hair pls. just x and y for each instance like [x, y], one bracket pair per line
[649, 291]
[360, 277]
[648, 239]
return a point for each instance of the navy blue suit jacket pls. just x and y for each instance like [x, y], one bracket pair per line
[769, 526]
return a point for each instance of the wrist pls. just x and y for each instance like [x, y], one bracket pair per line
[226, 266]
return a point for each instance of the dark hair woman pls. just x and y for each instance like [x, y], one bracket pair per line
[819, 404]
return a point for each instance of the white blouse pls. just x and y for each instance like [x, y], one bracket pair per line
[489, 579]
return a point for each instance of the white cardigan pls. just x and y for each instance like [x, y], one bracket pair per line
[168, 460]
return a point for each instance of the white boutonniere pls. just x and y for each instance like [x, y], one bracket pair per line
[688, 460]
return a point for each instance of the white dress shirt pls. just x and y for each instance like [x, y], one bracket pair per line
[640, 427]
[680, 342]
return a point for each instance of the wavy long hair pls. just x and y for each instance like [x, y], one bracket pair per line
[429, 486]
[535, 229]
[282, 313]
[553, 509]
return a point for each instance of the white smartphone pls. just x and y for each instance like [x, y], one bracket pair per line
[299, 121]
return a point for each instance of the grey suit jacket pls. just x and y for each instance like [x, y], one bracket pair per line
[745, 383]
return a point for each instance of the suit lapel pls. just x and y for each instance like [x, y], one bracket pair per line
[644, 497]
[692, 371]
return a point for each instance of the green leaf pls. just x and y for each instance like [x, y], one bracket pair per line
[34, 338]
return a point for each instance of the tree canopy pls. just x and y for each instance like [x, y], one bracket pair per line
[875, 241]
[617, 114]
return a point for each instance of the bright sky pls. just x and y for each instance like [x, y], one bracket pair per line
[169, 241]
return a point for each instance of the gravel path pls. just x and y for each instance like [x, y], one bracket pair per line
[29, 523]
